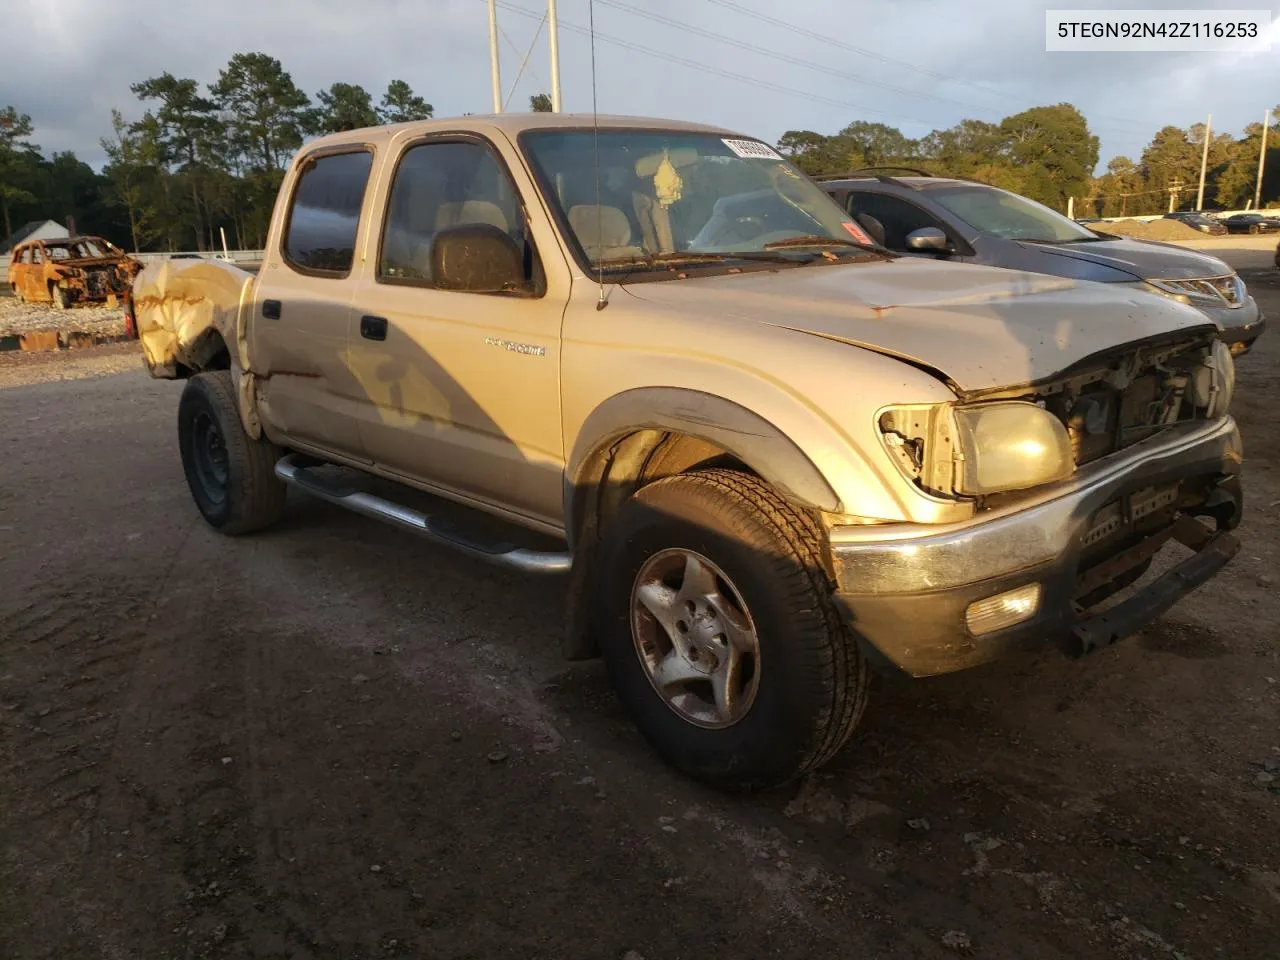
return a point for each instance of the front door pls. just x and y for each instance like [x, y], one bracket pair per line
[301, 323]
[463, 388]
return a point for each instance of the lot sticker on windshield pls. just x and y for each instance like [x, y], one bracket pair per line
[751, 149]
[855, 231]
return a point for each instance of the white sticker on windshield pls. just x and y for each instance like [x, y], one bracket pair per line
[751, 149]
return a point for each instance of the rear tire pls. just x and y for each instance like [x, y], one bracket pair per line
[735, 573]
[231, 475]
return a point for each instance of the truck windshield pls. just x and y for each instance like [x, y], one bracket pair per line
[664, 196]
[1003, 214]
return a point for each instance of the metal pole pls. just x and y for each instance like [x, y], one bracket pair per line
[553, 27]
[1204, 161]
[1071, 208]
[1262, 159]
[493, 57]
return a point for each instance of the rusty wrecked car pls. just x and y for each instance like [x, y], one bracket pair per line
[71, 270]
[768, 454]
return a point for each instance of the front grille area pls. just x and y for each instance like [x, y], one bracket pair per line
[1101, 418]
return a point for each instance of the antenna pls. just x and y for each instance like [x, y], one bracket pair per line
[595, 131]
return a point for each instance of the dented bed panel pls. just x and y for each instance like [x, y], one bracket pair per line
[180, 304]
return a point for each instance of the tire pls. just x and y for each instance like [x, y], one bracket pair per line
[1255, 229]
[801, 694]
[230, 474]
[61, 299]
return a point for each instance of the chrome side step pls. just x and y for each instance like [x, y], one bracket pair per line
[292, 469]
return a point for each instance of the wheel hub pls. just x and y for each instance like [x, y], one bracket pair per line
[695, 638]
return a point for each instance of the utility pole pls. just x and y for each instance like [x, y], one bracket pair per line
[1174, 189]
[553, 26]
[1204, 161]
[1071, 208]
[1262, 160]
[493, 57]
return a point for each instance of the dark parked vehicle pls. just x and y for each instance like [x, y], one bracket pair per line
[1198, 221]
[1252, 223]
[970, 222]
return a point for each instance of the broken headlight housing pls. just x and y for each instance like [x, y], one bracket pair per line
[1212, 383]
[1228, 291]
[978, 449]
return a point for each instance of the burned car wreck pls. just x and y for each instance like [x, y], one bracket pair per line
[71, 270]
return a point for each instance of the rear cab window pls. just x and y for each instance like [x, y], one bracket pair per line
[324, 213]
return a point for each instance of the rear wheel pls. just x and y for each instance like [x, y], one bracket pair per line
[716, 622]
[231, 475]
[1255, 228]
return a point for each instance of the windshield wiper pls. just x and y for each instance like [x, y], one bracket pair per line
[817, 240]
[673, 260]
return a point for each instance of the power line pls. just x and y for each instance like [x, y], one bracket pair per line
[871, 54]
[727, 74]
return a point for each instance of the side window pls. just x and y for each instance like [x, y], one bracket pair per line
[896, 216]
[36, 256]
[441, 185]
[325, 213]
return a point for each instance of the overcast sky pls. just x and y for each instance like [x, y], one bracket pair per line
[939, 61]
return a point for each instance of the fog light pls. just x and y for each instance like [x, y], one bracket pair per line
[1003, 610]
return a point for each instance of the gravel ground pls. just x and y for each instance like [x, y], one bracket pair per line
[333, 740]
[19, 317]
[18, 368]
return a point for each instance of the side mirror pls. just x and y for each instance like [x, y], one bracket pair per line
[477, 258]
[928, 238]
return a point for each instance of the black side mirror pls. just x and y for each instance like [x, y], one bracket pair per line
[477, 258]
[928, 238]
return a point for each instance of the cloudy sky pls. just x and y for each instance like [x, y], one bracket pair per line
[916, 64]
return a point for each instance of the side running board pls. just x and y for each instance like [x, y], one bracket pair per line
[292, 470]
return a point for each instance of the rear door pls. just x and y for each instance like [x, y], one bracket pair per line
[300, 329]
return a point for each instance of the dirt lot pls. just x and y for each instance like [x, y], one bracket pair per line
[333, 740]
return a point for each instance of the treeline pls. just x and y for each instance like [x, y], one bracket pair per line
[189, 161]
[1048, 153]
[196, 161]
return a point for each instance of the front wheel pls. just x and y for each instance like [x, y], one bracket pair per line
[716, 623]
[231, 475]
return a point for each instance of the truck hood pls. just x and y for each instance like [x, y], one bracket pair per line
[979, 328]
[1141, 259]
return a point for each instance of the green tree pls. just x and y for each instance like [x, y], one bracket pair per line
[1053, 151]
[1170, 160]
[130, 176]
[540, 103]
[265, 109]
[875, 143]
[344, 106]
[962, 149]
[188, 127]
[17, 159]
[814, 153]
[400, 104]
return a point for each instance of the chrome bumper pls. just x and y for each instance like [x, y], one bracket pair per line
[905, 587]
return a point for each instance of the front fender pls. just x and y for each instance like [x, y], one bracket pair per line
[744, 434]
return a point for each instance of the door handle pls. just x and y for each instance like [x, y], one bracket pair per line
[271, 309]
[373, 328]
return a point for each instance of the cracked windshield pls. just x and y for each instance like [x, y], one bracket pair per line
[669, 197]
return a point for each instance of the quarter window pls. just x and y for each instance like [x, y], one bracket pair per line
[325, 215]
[441, 185]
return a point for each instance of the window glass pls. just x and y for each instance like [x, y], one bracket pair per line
[628, 195]
[1004, 214]
[35, 255]
[897, 217]
[326, 212]
[446, 184]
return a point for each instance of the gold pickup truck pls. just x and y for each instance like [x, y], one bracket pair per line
[769, 454]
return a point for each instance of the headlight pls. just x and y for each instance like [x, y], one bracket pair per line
[1010, 446]
[1215, 291]
[1213, 383]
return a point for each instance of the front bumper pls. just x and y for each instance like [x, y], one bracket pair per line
[905, 588]
[1241, 325]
